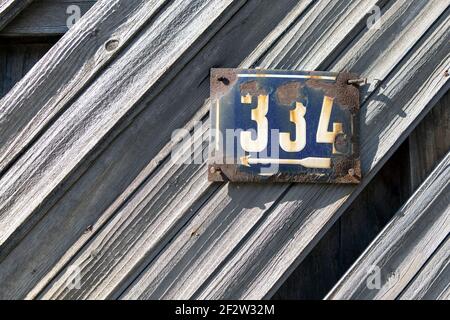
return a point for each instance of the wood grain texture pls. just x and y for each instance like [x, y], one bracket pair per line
[347, 239]
[234, 212]
[238, 241]
[374, 207]
[433, 280]
[51, 85]
[320, 213]
[190, 89]
[74, 61]
[136, 152]
[283, 229]
[153, 215]
[46, 18]
[9, 9]
[405, 245]
[61, 153]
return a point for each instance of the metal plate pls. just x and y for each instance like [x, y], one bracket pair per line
[284, 126]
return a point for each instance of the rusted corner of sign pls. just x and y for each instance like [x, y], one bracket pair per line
[346, 166]
[222, 80]
[347, 169]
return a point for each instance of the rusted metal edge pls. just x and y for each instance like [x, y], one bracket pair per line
[345, 91]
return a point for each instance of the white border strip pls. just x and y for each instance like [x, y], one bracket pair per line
[291, 76]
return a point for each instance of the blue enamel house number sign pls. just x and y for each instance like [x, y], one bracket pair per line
[284, 126]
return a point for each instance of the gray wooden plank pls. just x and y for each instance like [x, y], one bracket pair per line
[308, 220]
[372, 209]
[252, 265]
[47, 18]
[9, 9]
[433, 281]
[347, 239]
[107, 184]
[234, 41]
[405, 245]
[101, 273]
[62, 153]
[56, 289]
[430, 142]
[320, 215]
[248, 193]
[267, 242]
[74, 61]
[241, 231]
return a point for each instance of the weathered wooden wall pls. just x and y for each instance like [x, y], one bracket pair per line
[352, 233]
[370, 212]
[47, 17]
[409, 257]
[85, 175]
[9, 9]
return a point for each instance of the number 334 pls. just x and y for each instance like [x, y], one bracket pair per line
[297, 116]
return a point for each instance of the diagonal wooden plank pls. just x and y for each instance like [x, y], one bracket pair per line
[9, 9]
[405, 245]
[75, 60]
[66, 148]
[180, 93]
[95, 197]
[295, 225]
[233, 194]
[47, 18]
[55, 292]
[388, 68]
[286, 231]
[433, 281]
[102, 273]
[55, 80]
[187, 233]
[351, 234]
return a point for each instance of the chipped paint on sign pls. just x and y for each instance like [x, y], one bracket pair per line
[284, 126]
